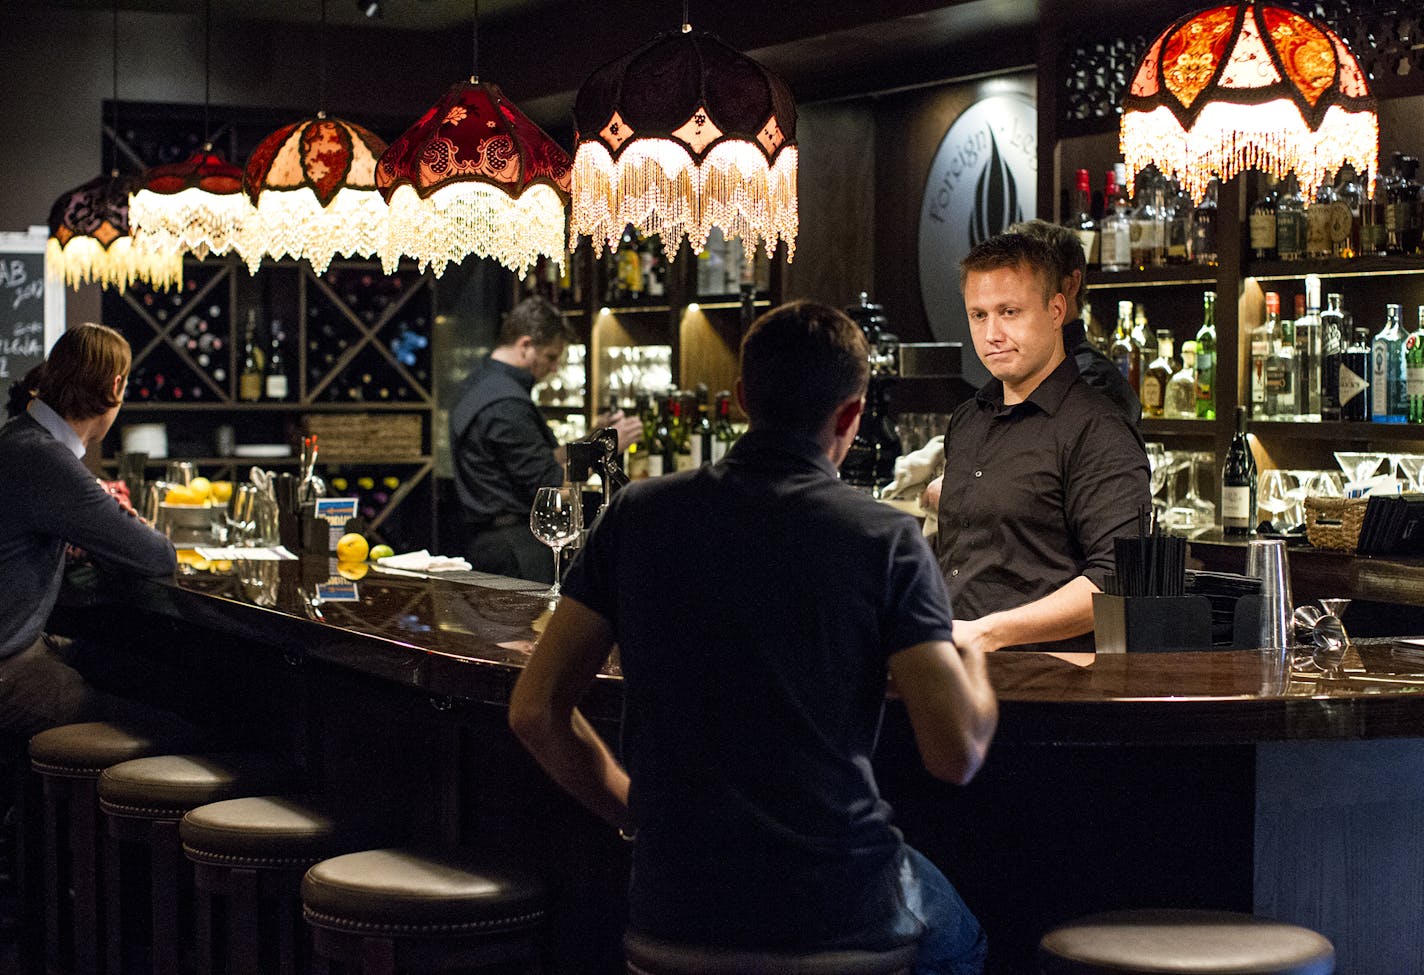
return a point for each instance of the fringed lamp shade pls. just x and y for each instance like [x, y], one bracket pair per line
[195, 205]
[1249, 86]
[89, 240]
[313, 190]
[681, 135]
[474, 176]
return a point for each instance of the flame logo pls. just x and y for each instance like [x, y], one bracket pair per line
[996, 198]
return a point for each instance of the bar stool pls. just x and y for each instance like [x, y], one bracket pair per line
[394, 910]
[143, 801]
[1168, 942]
[248, 858]
[650, 956]
[68, 760]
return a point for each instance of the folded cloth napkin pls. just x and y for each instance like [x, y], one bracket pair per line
[423, 561]
[913, 471]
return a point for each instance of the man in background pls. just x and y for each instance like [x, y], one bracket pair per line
[754, 697]
[503, 450]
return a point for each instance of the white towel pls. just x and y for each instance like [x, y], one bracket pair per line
[423, 561]
[915, 470]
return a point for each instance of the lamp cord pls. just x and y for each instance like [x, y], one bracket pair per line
[686, 24]
[114, 135]
[475, 44]
[321, 84]
[207, 67]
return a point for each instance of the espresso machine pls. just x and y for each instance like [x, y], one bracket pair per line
[870, 462]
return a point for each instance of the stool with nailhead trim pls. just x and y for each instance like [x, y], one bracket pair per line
[383, 912]
[248, 858]
[651, 956]
[143, 801]
[68, 760]
[1182, 942]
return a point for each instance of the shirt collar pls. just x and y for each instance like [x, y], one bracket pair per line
[523, 377]
[1047, 396]
[57, 427]
[767, 443]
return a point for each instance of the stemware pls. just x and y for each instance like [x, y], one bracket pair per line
[1276, 497]
[1413, 467]
[1359, 465]
[554, 520]
[1158, 466]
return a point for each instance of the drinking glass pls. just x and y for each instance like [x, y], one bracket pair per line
[1158, 466]
[554, 520]
[1359, 466]
[1413, 467]
[1276, 495]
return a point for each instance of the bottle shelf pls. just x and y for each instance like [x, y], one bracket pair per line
[1162, 427]
[1336, 431]
[1172, 275]
[1334, 267]
[348, 406]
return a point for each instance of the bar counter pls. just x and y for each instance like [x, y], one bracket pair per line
[1204, 779]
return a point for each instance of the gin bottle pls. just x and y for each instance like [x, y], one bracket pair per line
[1387, 371]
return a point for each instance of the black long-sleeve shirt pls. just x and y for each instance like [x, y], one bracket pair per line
[1099, 371]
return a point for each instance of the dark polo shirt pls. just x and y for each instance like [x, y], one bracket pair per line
[1035, 493]
[755, 603]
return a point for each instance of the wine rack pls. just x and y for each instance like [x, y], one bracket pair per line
[356, 341]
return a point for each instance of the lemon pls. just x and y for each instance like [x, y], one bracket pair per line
[201, 488]
[352, 570]
[379, 552]
[221, 491]
[178, 494]
[352, 547]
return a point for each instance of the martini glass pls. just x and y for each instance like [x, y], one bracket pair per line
[1413, 467]
[1359, 466]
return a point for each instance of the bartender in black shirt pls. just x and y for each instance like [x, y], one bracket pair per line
[1042, 472]
[502, 449]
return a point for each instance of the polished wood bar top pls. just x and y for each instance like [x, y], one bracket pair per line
[1323, 572]
[466, 636]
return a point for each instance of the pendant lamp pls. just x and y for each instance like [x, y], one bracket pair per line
[312, 185]
[195, 205]
[680, 135]
[89, 236]
[1249, 86]
[474, 175]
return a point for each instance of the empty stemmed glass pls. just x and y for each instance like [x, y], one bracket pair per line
[555, 521]
[1359, 466]
[1159, 468]
[1275, 496]
[1413, 467]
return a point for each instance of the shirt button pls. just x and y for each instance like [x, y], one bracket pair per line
[978, 473]
[954, 572]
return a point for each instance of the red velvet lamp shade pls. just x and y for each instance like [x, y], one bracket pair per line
[195, 205]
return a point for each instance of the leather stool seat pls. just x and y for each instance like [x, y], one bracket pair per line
[69, 760]
[400, 910]
[1167, 942]
[650, 956]
[143, 800]
[250, 854]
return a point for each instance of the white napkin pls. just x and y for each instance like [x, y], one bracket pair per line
[916, 469]
[423, 561]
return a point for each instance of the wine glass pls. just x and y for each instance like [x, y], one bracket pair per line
[555, 521]
[1276, 496]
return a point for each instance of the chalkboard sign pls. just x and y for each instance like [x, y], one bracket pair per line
[31, 306]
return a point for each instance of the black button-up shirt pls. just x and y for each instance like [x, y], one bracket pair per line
[501, 448]
[1099, 371]
[1035, 493]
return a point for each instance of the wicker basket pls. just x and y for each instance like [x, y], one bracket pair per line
[1335, 522]
[345, 437]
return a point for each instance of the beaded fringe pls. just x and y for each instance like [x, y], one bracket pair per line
[191, 220]
[470, 217]
[293, 223]
[84, 260]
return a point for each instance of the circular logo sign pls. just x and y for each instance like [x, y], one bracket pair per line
[984, 178]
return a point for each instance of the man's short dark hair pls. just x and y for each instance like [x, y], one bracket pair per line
[1066, 244]
[1012, 250]
[77, 381]
[799, 362]
[538, 319]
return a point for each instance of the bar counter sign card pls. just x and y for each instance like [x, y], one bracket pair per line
[337, 590]
[337, 512]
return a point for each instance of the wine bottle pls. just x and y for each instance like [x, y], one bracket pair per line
[276, 385]
[249, 384]
[1263, 226]
[1387, 371]
[723, 434]
[662, 453]
[680, 458]
[700, 441]
[1081, 219]
[1414, 371]
[1206, 359]
[1238, 483]
[1114, 230]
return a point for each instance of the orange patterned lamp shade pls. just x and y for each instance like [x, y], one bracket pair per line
[683, 134]
[313, 190]
[195, 205]
[1249, 86]
[89, 240]
[474, 175]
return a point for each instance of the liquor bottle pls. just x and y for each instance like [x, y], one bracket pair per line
[1397, 206]
[1373, 220]
[1280, 370]
[1180, 401]
[1355, 378]
[1081, 218]
[1238, 483]
[1413, 219]
[1203, 245]
[641, 449]
[1144, 344]
[1123, 353]
[1178, 215]
[723, 433]
[1157, 375]
[699, 439]
[276, 385]
[1206, 359]
[1327, 224]
[1332, 341]
[1263, 225]
[1290, 222]
[1414, 370]
[1146, 227]
[1261, 343]
[1115, 230]
[1308, 352]
[249, 384]
[1387, 370]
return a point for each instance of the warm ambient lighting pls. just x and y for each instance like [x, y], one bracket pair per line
[681, 135]
[89, 240]
[195, 205]
[313, 189]
[1249, 86]
[474, 176]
